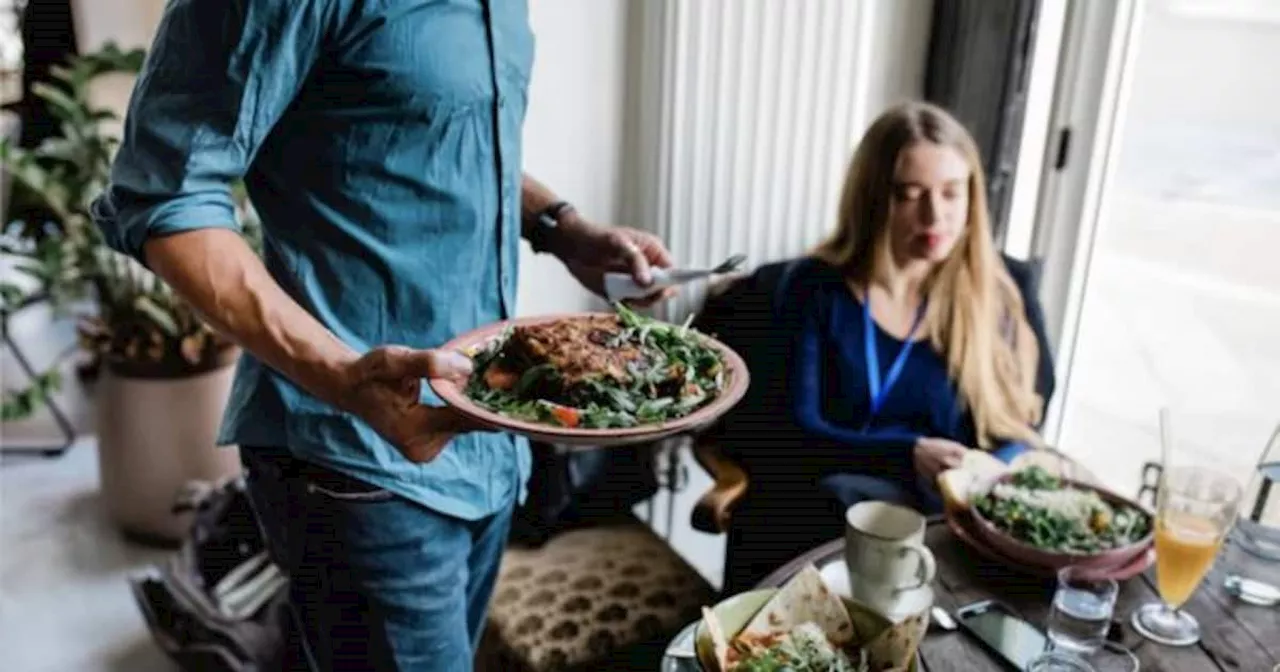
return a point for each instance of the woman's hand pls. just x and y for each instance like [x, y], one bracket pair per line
[934, 456]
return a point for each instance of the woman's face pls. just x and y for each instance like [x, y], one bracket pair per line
[930, 202]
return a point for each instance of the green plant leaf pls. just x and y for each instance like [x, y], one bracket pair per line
[162, 318]
[59, 102]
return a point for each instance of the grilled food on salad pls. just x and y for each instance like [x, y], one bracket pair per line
[1041, 510]
[597, 372]
[803, 648]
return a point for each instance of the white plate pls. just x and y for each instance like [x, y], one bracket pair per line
[836, 576]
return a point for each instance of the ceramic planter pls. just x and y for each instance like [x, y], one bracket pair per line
[155, 434]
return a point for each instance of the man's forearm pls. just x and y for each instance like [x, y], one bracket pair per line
[220, 276]
[535, 198]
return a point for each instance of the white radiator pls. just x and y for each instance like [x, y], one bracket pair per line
[744, 114]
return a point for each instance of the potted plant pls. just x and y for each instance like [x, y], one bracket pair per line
[165, 375]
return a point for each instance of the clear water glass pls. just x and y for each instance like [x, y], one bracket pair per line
[1081, 612]
[1059, 661]
[1249, 576]
[1259, 523]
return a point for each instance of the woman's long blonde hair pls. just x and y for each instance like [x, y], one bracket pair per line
[975, 312]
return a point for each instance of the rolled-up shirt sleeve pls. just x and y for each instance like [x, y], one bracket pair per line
[217, 78]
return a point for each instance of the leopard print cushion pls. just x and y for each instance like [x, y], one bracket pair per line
[590, 593]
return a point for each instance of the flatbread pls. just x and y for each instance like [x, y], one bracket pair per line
[894, 649]
[976, 473]
[805, 598]
[719, 643]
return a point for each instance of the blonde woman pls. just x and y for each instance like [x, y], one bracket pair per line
[912, 342]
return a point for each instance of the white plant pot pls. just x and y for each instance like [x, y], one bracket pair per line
[155, 436]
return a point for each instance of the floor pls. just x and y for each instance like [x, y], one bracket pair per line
[64, 600]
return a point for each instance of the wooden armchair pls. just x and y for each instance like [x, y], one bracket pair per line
[738, 310]
[712, 512]
[743, 303]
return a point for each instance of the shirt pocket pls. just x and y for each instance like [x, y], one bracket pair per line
[426, 62]
[332, 485]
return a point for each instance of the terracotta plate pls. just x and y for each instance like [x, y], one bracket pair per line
[963, 525]
[1021, 551]
[736, 382]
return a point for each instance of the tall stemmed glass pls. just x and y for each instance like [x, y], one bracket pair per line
[1196, 507]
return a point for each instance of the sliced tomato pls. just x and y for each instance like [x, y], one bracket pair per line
[498, 378]
[568, 417]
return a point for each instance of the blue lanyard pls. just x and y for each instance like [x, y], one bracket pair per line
[879, 393]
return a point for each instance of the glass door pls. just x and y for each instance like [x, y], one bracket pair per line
[1159, 222]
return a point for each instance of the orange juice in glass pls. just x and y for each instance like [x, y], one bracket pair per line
[1196, 507]
[1186, 545]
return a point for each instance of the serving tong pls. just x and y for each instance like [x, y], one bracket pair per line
[618, 286]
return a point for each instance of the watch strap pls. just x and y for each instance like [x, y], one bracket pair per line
[550, 215]
[546, 219]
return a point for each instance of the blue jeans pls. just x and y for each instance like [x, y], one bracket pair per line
[377, 582]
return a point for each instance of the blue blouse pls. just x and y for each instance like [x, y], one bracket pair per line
[831, 396]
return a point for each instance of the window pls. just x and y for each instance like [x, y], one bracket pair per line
[1179, 299]
[10, 51]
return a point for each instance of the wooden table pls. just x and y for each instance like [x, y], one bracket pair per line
[1234, 636]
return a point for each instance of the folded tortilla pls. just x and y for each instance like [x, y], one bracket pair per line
[719, 643]
[890, 647]
[805, 598]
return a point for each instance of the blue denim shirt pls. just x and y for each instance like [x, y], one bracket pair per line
[380, 144]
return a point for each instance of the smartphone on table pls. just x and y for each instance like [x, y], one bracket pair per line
[1002, 633]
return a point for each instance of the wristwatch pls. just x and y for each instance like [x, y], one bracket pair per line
[546, 220]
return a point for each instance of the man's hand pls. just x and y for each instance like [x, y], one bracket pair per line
[382, 387]
[934, 456]
[246, 303]
[590, 250]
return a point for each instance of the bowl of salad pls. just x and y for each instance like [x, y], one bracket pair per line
[1042, 520]
[804, 626]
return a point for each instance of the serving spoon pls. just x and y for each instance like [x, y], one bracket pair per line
[622, 286]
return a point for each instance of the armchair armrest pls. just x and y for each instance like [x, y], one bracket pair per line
[714, 509]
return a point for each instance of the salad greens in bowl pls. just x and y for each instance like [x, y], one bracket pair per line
[1035, 517]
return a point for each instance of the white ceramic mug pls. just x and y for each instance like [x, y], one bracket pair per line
[885, 553]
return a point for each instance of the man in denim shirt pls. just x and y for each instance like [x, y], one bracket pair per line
[380, 142]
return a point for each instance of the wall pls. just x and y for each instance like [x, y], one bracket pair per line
[899, 51]
[573, 132]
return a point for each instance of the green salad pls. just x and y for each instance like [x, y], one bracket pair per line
[1039, 509]
[598, 371]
